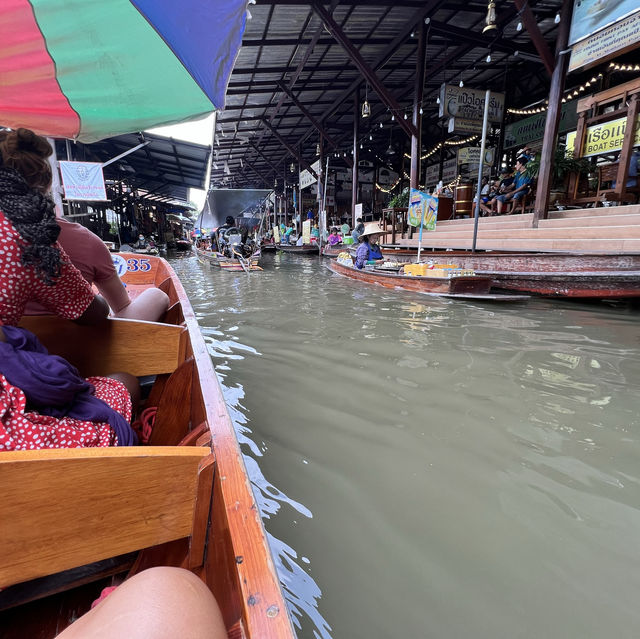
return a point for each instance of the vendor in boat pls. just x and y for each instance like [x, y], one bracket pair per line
[334, 238]
[71, 411]
[141, 242]
[358, 229]
[368, 248]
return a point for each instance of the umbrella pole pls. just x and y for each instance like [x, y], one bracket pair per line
[485, 122]
[420, 234]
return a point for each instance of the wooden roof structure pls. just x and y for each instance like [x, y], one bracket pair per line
[305, 67]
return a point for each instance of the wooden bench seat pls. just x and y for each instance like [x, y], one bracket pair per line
[133, 346]
[66, 508]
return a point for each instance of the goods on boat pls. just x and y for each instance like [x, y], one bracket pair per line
[74, 519]
[463, 286]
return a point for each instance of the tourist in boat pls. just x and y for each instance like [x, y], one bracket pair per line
[358, 229]
[334, 238]
[91, 257]
[368, 248]
[72, 411]
[141, 242]
[518, 189]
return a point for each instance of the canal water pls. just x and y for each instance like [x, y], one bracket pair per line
[430, 467]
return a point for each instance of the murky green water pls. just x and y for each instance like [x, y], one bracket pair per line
[434, 468]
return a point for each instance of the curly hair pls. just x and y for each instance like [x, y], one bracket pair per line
[25, 177]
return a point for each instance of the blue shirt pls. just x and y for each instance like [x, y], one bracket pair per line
[362, 254]
[521, 179]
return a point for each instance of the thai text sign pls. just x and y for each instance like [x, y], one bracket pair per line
[83, 181]
[449, 172]
[590, 16]
[471, 155]
[461, 102]
[606, 43]
[423, 208]
[604, 138]
[276, 234]
[531, 129]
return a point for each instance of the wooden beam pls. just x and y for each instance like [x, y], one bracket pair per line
[529, 21]
[341, 37]
[289, 148]
[416, 145]
[553, 116]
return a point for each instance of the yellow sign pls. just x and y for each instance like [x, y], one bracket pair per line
[604, 138]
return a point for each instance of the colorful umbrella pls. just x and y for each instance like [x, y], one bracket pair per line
[91, 69]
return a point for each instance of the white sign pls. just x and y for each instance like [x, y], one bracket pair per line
[358, 210]
[306, 177]
[468, 104]
[83, 181]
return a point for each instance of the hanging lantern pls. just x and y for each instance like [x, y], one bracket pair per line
[491, 17]
[366, 109]
[292, 168]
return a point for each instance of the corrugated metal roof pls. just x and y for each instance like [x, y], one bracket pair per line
[286, 43]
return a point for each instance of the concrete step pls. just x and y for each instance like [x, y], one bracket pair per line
[602, 245]
[577, 232]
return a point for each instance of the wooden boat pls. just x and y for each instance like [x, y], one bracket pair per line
[463, 286]
[305, 249]
[214, 258]
[335, 250]
[573, 275]
[268, 246]
[183, 245]
[77, 520]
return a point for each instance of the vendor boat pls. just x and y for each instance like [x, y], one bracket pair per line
[183, 245]
[305, 249]
[236, 263]
[463, 286]
[77, 520]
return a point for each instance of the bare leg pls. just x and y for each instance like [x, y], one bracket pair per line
[150, 305]
[159, 603]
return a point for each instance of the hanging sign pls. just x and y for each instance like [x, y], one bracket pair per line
[468, 104]
[604, 138]
[471, 155]
[276, 234]
[306, 177]
[591, 16]
[449, 172]
[83, 181]
[422, 208]
[618, 38]
[531, 129]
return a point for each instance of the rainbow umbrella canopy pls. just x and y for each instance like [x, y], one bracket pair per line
[91, 69]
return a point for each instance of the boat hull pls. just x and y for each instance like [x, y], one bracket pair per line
[213, 258]
[572, 275]
[465, 286]
[305, 249]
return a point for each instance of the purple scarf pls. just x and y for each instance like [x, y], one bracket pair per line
[54, 387]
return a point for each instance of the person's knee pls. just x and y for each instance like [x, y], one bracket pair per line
[150, 305]
[132, 384]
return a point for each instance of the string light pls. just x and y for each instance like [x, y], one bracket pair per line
[519, 26]
[557, 18]
[569, 95]
[421, 111]
[381, 188]
[381, 125]
[488, 58]
[437, 147]
[461, 83]
[623, 67]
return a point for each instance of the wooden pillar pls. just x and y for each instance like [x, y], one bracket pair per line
[417, 104]
[627, 145]
[354, 174]
[553, 115]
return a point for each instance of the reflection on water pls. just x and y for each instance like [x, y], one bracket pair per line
[428, 467]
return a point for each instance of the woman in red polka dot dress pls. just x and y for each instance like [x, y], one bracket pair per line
[71, 412]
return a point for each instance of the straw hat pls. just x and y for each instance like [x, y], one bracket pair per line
[372, 228]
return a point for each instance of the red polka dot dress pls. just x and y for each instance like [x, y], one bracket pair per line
[69, 297]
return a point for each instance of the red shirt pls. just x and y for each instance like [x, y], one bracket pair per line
[69, 296]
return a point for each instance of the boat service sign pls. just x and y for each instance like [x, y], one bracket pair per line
[604, 138]
[83, 181]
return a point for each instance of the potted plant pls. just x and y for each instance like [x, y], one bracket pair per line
[400, 201]
[564, 163]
